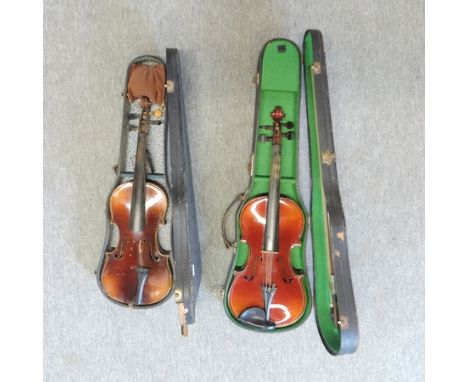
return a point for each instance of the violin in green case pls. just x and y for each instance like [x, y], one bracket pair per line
[267, 288]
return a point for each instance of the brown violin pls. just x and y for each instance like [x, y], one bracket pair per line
[138, 271]
[267, 293]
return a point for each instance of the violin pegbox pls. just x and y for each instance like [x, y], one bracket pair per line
[157, 114]
[277, 116]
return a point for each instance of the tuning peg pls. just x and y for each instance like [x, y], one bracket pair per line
[289, 135]
[262, 138]
[288, 125]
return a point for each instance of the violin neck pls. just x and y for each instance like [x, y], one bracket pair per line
[270, 239]
[137, 209]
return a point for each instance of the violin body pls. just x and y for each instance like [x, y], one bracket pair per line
[290, 299]
[120, 272]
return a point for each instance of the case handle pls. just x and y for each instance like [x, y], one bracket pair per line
[230, 243]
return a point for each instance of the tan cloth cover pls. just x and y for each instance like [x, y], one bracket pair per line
[147, 81]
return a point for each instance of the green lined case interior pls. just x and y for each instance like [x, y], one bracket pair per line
[319, 226]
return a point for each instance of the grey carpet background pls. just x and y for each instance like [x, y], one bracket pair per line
[375, 56]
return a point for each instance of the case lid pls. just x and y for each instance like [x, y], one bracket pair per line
[185, 241]
[335, 308]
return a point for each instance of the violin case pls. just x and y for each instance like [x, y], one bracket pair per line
[279, 82]
[168, 166]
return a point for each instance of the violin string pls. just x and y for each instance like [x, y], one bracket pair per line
[268, 256]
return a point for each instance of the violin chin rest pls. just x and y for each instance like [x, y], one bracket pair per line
[256, 317]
